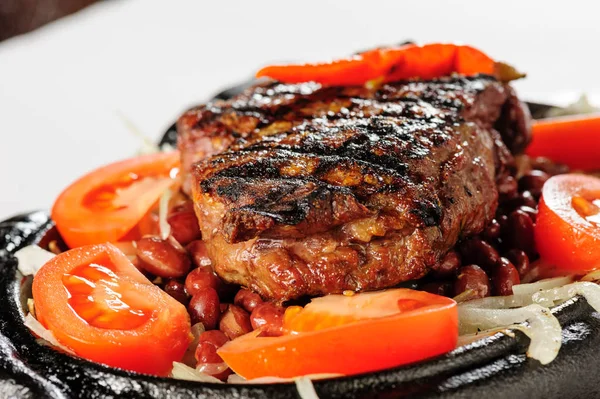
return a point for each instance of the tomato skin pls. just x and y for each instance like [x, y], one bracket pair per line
[83, 214]
[368, 344]
[572, 140]
[149, 347]
[564, 238]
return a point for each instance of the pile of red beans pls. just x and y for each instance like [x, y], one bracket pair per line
[183, 270]
[487, 264]
[502, 255]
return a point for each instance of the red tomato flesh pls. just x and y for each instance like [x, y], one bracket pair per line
[567, 231]
[99, 305]
[572, 140]
[349, 335]
[106, 204]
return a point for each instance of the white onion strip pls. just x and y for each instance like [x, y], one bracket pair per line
[46, 337]
[305, 388]
[590, 291]
[543, 328]
[531, 288]
[163, 210]
[31, 259]
[530, 304]
[182, 372]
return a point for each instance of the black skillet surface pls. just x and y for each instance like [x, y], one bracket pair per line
[495, 367]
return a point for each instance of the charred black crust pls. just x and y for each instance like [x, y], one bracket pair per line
[374, 133]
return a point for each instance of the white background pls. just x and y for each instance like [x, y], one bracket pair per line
[65, 87]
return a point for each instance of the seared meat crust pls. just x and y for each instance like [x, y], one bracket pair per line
[304, 190]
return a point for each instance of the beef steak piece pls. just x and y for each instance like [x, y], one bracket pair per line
[307, 190]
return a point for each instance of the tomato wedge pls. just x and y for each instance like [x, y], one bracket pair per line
[349, 335]
[104, 205]
[567, 230]
[388, 64]
[99, 305]
[573, 140]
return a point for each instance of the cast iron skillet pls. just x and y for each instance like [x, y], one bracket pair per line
[495, 367]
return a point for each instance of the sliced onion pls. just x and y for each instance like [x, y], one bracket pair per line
[31, 259]
[499, 302]
[182, 372]
[163, 210]
[305, 388]
[543, 328]
[531, 288]
[46, 336]
[590, 291]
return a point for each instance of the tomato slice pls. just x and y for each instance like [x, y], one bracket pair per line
[99, 305]
[107, 203]
[349, 335]
[572, 140]
[567, 230]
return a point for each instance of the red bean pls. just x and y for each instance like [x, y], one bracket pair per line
[235, 322]
[533, 181]
[448, 265]
[199, 279]
[504, 276]
[204, 308]
[199, 254]
[492, 230]
[520, 260]
[479, 252]
[269, 317]
[472, 278]
[502, 221]
[519, 232]
[177, 290]
[247, 299]
[206, 353]
[530, 211]
[507, 187]
[443, 288]
[522, 199]
[184, 226]
[161, 258]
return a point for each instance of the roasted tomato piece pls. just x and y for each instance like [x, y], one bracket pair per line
[572, 140]
[567, 230]
[104, 205]
[99, 305]
[387, 64]
[349, 335]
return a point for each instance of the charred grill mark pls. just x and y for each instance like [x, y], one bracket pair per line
[353, 139]
[429, 212]
[286, 202]
[365, 178]
[276, 101]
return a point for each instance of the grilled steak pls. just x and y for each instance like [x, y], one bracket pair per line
[306, 190]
